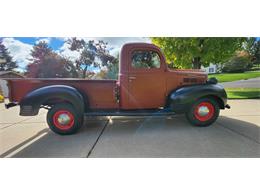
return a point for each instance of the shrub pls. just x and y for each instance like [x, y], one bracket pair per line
[238, 63]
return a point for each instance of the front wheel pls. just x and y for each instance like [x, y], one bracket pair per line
[203, 112]
[63, 119]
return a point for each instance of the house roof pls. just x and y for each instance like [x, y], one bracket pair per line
[8, 72]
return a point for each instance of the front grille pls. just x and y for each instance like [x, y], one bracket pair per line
[190, 80]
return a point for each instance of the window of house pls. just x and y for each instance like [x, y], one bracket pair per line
[211, 70]
[145, 59]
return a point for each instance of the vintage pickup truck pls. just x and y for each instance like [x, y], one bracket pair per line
[146, 86]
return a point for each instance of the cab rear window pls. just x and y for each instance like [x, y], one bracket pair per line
[145, 59]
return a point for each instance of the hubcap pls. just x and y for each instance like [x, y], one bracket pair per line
[64, 119]
[203, 110]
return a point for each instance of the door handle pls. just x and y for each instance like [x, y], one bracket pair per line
[132, 77]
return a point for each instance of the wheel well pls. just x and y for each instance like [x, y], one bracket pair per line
[52, 101]
[216, 98]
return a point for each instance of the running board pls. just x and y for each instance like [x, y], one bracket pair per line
[131, 113]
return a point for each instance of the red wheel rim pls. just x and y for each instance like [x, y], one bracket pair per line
[63, 119]
[204, 111]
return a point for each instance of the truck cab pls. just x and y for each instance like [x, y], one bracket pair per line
[145, 79]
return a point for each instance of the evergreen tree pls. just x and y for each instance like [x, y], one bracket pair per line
[6, 60]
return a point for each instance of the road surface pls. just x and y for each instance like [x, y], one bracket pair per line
[235, 134]
[250, 83]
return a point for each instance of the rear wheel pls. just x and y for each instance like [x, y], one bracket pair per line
[63, 119]
[204, 112]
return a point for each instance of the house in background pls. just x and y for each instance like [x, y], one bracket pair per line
[3, 83]
[211, 69]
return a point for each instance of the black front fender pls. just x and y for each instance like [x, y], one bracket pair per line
[181, 99]
[31, 103]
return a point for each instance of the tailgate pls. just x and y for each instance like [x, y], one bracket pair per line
[17, 89]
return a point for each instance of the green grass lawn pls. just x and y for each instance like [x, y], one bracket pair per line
[243, 93]
[227, 77]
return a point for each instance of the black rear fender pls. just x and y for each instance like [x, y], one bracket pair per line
[32, 102]
[181, 99]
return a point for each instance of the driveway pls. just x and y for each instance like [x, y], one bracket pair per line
[235, 134]
[250, 83]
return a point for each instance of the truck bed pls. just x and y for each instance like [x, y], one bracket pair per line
[100, 93]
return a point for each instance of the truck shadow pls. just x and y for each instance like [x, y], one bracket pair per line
[48, 144]
[143, 137]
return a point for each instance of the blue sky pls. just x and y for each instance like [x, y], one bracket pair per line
[55, 43]
[20, 47]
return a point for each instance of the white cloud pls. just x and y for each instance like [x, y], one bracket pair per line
[47, 40]
[114, 44]
[120, 41]
[117, 42]
[66, 52]
[19, 50]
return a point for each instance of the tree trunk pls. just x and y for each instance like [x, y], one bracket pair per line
[84, 72]
[196, 63]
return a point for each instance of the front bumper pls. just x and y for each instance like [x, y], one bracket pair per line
[227, 106]
[10, 105]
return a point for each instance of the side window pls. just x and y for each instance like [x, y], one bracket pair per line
[145, 59]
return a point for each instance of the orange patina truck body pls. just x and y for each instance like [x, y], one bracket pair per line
[136, 88]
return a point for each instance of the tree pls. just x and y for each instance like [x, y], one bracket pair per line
[92, 54]
[110, 71]
[257, 53]
[195, 52]
[6, 60]
[48, 64]
[252, 46]
[113, 68]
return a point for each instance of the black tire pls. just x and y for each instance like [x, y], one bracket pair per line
[75, 119]
[196, 119]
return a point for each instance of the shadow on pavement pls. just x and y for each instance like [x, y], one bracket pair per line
[53, 145]
[174, 137]
[244, 128]
[149, 137]
[24, 143]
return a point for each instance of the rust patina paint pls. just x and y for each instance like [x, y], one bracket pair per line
[100, 92]
[139, 88]
[149, 88]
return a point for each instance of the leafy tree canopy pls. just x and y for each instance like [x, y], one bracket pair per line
[45, 63]
[92, 53]
[252, 46]
[194, 52]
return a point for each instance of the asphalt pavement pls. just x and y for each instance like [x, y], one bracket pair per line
[235, 134]
[249, 83]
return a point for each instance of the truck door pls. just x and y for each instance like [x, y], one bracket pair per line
[146, 79]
